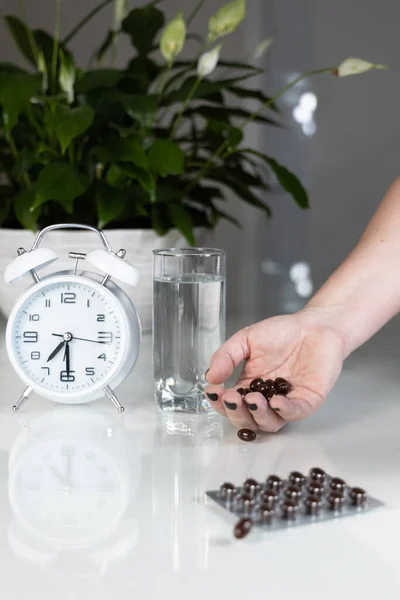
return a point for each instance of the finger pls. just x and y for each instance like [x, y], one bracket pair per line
[295, 408]
[225, 360]
[266, 419]
[214, 395]
[237, 411]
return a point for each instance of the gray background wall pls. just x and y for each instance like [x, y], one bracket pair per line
[347, 165]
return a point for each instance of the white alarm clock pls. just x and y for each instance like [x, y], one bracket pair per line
[73, 337]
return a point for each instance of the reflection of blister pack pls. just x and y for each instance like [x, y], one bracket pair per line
[280, 503]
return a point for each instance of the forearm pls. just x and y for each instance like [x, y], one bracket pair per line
[364, 292]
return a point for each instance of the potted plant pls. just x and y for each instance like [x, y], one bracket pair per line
[149, 151]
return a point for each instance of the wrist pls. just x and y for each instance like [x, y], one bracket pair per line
[332, 319]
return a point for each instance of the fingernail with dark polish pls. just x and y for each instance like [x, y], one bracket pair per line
[230, 405]
[276, 409]
[212, 397]
[252, 406]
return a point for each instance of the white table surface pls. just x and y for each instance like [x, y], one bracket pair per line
[135, 523]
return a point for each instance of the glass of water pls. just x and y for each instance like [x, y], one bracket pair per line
[188, 324]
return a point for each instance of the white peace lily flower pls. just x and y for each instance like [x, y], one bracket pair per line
[226, 20]
[355, 66]
[208, 61]
[173, 38]
[262, 48]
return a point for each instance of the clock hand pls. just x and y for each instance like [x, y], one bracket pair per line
[67, 358]
[82, 339]
[60, 477]
[55, 351]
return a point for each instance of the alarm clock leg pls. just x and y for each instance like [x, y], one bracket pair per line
[111, 396]
[23, 399]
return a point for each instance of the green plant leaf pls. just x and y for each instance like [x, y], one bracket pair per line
[166, 158]
[290, 183]
[231, 134]
[160, 219]
[16, 91]
[142, 108]
[60, 182]
[142, 25]
[23, 38]
[224, 215]
[219, 113]
[23, 204]
[10, 68]
[26, 160]
[235, 181]
[71, 123]
[148, 70]
[205, 89]
[243, 92]
[286, 178]
[123, 150]
[145, 179]
[98, 79]
[182, 220]
[113, 203]
[106, 45]
[5, 202]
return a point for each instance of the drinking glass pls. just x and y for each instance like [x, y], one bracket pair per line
[188, 324]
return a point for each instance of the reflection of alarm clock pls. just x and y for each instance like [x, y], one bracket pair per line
[72, 477]
[73, 337]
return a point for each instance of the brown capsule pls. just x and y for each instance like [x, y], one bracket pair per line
[251, 487]
[289, 510]
[265, 514]
[313, 505]
[263, 389]
[315, 489]
[270, 383]
[358, 496]
[242, 528]
[241, 391]
[245, 503]
[293, 492]
[269, 498]
[337, 484]
[297, 478]
[273, 482]
[247, 391]
[335, 501]
[316, 474]
[227, 491]
[282, 385]
[272, 392]
[255, 384]
[246, 435]
[283, 389]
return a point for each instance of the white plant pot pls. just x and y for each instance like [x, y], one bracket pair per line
[138, 243]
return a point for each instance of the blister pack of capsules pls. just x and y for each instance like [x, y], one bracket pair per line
[278, 503]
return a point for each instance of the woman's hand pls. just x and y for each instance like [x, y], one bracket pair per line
[303, 348]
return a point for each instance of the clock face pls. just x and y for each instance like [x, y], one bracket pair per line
[68, 336]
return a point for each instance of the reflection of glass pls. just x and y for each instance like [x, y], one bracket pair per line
[189, 324]
[184, 453]
[70, 485]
